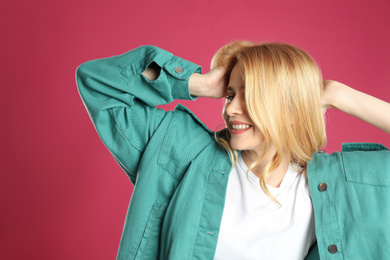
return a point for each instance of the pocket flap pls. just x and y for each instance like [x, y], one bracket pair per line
[368, 167]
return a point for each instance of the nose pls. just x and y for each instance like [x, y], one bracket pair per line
[235, 107]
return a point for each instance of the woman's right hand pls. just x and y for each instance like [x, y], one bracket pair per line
[216, 85]
[210, 84]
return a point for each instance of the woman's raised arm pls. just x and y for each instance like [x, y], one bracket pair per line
[358, 104]
[121, 100]
[210, 84]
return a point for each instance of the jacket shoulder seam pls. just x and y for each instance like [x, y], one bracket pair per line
[188, 111]
[352, 147]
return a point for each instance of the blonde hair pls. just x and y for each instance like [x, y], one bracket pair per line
[283, 89]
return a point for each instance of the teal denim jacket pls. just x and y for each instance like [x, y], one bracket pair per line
[180, 173]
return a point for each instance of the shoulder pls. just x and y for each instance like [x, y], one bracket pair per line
[185, 137]
[365, 163]
[363, 147]
[184, 115]
[362, 155]
[357, 151]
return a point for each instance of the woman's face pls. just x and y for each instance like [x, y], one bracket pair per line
[244, 134]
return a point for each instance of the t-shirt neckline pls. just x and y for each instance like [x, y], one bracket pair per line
[288, 177]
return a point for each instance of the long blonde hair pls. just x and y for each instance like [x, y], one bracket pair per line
[283, 89]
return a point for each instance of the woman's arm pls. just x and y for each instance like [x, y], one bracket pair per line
[210, 84]
[121, 98]
[358, 104]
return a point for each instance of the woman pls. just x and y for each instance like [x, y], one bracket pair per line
[190, 198]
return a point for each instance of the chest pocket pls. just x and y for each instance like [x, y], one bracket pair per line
[368, 167]
[185, 138]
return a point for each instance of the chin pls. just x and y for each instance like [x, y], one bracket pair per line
[237, 146]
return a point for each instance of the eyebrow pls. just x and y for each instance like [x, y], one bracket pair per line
[232, 89]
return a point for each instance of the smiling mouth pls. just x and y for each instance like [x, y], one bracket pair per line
[240, 130]
[240, 127]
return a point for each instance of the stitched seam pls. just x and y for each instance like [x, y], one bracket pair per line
[153, 224]
[150, 221]
[199, 219]
[176, 179]
[336, 214]
[161, 147]
[121, 130]
[123, 71]
[384, 185]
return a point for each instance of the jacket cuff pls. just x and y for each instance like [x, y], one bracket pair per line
[178, 70]
[181, 71]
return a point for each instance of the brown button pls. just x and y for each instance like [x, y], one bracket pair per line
[178, 69]
[333, 249]
[323, 186]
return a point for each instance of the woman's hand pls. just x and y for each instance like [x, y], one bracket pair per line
[216, 85]
[210, 84]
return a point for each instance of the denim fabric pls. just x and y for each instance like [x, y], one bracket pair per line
[180, 173]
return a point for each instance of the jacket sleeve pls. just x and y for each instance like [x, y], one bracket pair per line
[121, 101]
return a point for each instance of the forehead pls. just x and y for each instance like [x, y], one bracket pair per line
[233, 89]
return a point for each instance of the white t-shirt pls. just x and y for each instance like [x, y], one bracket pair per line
[254, 227]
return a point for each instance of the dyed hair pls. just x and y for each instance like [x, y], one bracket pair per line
[283, 89]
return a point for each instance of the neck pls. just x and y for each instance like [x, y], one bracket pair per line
[275, 177]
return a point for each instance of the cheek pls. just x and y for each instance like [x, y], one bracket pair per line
[259, 135]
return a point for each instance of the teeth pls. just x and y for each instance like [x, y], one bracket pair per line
[240, 127]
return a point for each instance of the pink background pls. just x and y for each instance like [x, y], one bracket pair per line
[62, 194]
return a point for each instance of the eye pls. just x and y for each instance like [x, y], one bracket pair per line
[229, 98]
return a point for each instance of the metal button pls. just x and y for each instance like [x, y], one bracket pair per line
[333, 249]
[178, 69]
[323, 186]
